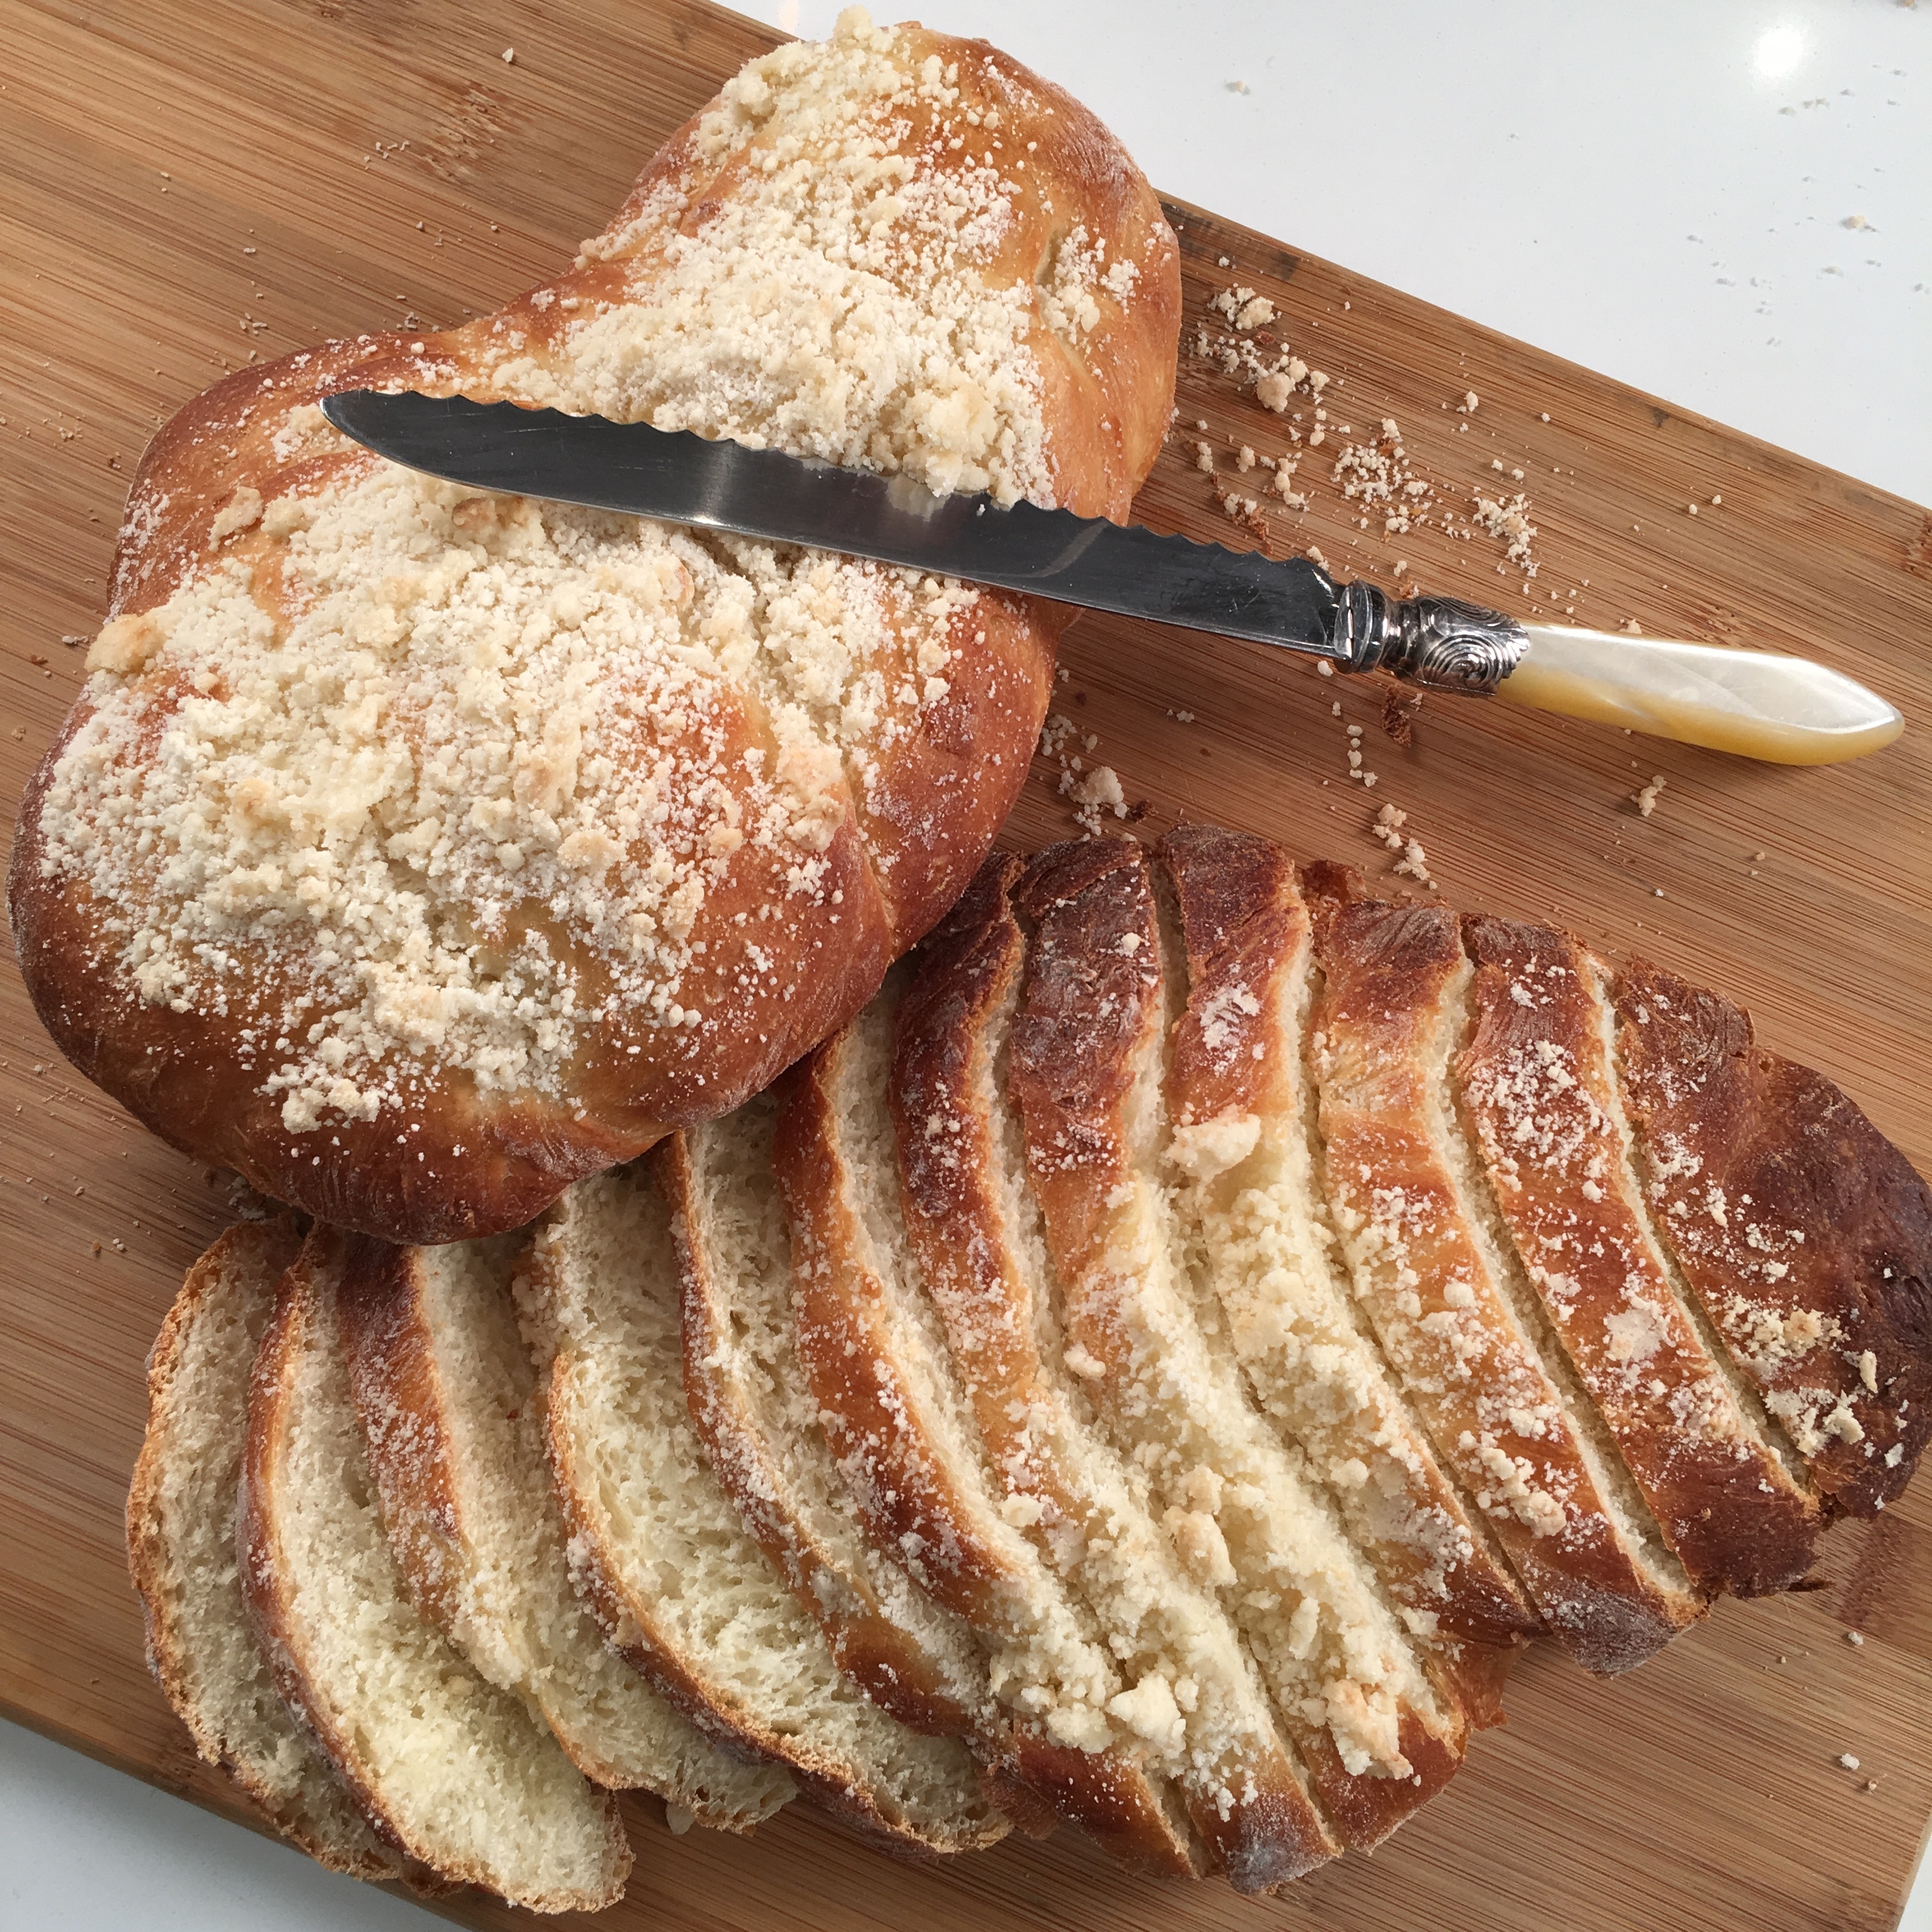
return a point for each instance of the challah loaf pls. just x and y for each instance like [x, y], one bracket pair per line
[458, 1773]
[415, 851]
[452, 1412]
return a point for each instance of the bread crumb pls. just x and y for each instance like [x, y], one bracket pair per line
[1855, 1638]
[1846, 1759]
[1510, 522]
[1203, 457]
[1646, 800]
[1467, 406]
[509, 60]
[1094, 793]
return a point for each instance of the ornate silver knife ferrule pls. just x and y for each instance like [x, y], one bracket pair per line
[1440, 644]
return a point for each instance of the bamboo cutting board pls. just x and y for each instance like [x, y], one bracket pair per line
[188, 186]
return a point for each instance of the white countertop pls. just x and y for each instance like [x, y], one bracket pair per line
[1659, 190]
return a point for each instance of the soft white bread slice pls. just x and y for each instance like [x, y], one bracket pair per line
[901, 1426]
[1088, 1073]
[1436, 1273]
[180, 1551]
[663, 1557]
[749, 1398]
[1540, 1087]
[460, 1774]
[453, 1416]
[1255, 1212]
[1192, 1695]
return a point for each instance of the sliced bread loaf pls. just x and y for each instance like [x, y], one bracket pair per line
[1191, 1695]
[460, 1773]
[1088, 1075]
[181, 1550]
[664, 1556]
[452, 1412]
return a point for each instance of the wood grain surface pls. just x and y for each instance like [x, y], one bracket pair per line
[183, 187]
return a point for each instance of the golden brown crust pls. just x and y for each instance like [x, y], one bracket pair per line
[1476, 1381]
[1539, 1088]
[1093, 994]
[916, 822]
[263, 1250]
[1235, 1053]
[1804, 1232]
[884, 1658]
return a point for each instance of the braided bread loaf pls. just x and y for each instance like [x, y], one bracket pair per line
[1159, 1366]
[416, 851]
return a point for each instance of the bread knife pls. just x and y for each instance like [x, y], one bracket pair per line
[1784, 710]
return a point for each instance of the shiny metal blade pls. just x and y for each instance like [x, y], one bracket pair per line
[678, 478]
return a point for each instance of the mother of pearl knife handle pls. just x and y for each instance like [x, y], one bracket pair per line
[1788, 711]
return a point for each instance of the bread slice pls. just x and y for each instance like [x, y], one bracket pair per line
[1192, 1696]
[1088, 1074]
[1802, 1230]
[1254, 1214]
[664, 1557]
[752, 1403]
[180, 1552]
[453, 1415]
[897, 1419]
[459, 1773]
[1539, 1087]
[1436, 1274]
